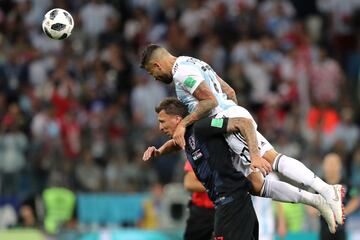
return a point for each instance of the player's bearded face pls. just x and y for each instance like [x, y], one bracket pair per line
[159, 74]
[165, 78]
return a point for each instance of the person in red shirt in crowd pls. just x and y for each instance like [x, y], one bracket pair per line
[200, 224]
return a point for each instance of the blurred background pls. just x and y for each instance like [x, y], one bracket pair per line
[76, 115]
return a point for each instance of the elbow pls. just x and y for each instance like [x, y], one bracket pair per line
[231, 92]
[214, 103]
[187, 184]
[190, 182]
[187, 187]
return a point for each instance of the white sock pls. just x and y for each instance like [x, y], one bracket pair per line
[297, 171]
[284, 192]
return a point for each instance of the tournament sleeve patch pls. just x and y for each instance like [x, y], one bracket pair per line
[217, 122]
[189, 82]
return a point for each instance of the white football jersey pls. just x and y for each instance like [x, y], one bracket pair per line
[188, 73]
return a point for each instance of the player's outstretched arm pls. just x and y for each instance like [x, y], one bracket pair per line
[207, 102]
[246, 127]
[167, 147]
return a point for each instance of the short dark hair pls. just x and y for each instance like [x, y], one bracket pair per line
[172, 106]
[147, 54]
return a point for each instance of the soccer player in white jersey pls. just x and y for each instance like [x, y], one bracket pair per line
[206, 94]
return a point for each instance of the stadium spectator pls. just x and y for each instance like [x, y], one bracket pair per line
[59, 204]
[333, 173]
[93, 17]
[326, 79]
[87, 167]
[13, 145]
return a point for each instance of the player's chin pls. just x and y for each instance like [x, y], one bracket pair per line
[169, 134]
[165, 79]
[166, 133]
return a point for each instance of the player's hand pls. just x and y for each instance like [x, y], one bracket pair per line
[150, 153]
[179, 136]
[260, 163]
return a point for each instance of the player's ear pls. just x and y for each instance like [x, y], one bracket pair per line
[156, 65]
[178, 118]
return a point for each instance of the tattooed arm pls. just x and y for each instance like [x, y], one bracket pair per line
[246, 128]
[207, 102]
[229, 91]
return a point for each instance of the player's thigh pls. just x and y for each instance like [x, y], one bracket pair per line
[239, 144]
[235, 140]
[264, 145]
[235, 111]
[236, 220]
[241, 161]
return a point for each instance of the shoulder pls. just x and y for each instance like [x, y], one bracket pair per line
[182, 71]
[210, 126]
[187, 73]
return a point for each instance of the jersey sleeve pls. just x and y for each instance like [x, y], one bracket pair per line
[189, 77]
[208, 127]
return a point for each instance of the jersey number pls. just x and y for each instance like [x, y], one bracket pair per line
[205, 68]
[244, 155]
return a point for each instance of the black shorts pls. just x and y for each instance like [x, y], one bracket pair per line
[236, 220]
[200, 224]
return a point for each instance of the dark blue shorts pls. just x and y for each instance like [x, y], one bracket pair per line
[236, 220]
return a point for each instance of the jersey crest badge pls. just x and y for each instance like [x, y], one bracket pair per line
[192, 142]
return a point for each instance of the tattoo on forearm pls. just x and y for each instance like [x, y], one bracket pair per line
[250, 135]
[201, 111]
[233, 97]
[230, 93]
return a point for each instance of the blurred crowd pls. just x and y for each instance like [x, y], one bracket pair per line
[80, 112]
